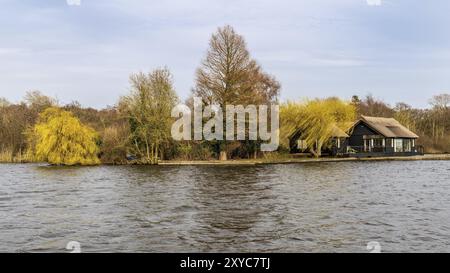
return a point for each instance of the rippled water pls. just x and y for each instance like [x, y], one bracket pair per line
[326, 207]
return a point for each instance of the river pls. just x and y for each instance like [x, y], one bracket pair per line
[316, 207]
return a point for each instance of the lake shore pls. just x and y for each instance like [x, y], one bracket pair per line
[274, 161]
[303, 160]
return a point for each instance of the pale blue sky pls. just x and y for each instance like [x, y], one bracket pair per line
[398, 50]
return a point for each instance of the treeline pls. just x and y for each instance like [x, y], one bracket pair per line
[18, 121]
[138, 128]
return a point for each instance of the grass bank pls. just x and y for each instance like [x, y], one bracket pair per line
[10, 157]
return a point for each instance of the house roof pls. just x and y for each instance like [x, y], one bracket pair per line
[335, 132]
[338, 132]
[388, 127]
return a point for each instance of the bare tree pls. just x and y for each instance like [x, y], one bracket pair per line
[371, 106]
[228, 75]
[441, 101]
[37, 101]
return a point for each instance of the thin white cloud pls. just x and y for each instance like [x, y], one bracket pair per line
[73, 2]
[374, 2]
[12, 51]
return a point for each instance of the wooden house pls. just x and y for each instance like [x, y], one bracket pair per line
[368, 137]
[376, 136]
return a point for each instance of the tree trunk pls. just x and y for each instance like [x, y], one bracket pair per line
[314, 153]
[317, 152]
[319, 149]
[147, 148]
[223, 156]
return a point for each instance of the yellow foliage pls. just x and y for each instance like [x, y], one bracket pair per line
[60, 138]
[316, 118]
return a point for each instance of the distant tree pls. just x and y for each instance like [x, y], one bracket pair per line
[316, 119]
[228, 75]
[440, 116]
[38, 102]
[73, 105]
[441, 101]
[4, 103]
[61, 139]
[148, 109]
[401, 106]
[356, 102]
[14, 120]
[371, 106]
[405, 114]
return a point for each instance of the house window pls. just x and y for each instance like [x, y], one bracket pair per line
[407, 145]
[398, 144]
[389, 142]
[378, 142]
[301, 144]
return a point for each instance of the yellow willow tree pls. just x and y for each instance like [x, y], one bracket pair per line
[59, 138]
[317, 120]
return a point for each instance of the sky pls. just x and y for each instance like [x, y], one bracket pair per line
[85, 50]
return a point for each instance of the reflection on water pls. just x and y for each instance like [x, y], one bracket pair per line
[323, 207]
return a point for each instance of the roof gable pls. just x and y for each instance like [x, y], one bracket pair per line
[338, 132]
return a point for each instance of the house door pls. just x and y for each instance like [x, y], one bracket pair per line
[367, 145]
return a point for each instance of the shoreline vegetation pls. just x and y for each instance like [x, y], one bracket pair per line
[273, 161]
[137, 130]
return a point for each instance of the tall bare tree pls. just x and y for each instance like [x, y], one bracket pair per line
[440, 112]
[228, 75]
[441, 101]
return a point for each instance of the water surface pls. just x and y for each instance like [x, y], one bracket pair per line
[323, 207]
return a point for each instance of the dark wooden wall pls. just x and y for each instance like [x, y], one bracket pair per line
[356, 138]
